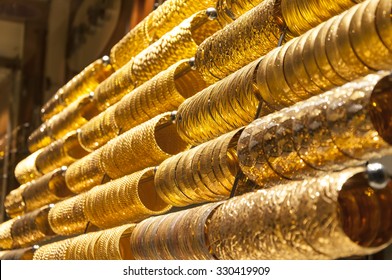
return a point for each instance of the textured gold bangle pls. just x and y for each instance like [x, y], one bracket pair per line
[68, 217]
[313, 210]
[14, 203]
[53, 251]
[80, 85]
[127, 153]
[6, 241]
[99, 130]
[26, 170]
[163, 93]
[320, 134]
[85, 173]
[220, 108]
[39, 138]
[238, 44]
[131, 198]
[160, 21]
[302, 15]
[178, 235]
[17, 254]
[180, 43]
[31, 228]
[60, 153]
[47, 189]
[230, 10]
[204, 173]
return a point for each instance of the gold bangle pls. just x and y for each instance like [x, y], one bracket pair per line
[154, 26]
[17, 254]
[178, 235]
[14, 203]
[60, 153]
[81, 85]
[53, 251]
[129, 199]
[26, 170]
[157, 137]
[31, 228]
[314, 210]
[319, 134]
[6, 241]
[68, 216]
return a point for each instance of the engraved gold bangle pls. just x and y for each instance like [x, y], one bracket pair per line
[6, 241]
[26, 170]
[14, 203]
[60, 153]
[68, 216]
[80, 85]
[178, 235]
[309, 219]
[31, 228]
[131, 198]
[156, 137]
[53, 251]
[160, 21]
[321, 134]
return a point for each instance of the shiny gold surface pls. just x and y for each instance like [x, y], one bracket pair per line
[53, 251]
[131, 198]
[299, 220]
[335, 130]
[68, 217]
[14, 203]
[229, 10]
[17, 254]
[127, 153]
[239, 43]
[302, 15]
[204, 173]
[85, 173]
[220, 108]
[31, 228]
[180, 236]
[26, 170]
[71, 118]
[80, 85]
[160, 21]
[6, 241]
[62, 152]
[47, 189]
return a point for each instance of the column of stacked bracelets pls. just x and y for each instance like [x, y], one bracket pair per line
[315, 218]
[204, 173]
[102, 245]
[153, 27]
[81, 85]
[180, 235]
[163, 93]
[37, 193]
[31, 227]
[180, 43]
[131, 198]
[60, 153]
[321, 134]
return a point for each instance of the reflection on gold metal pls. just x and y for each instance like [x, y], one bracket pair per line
[31, 228]
[59, 216]
[176, 236]
[80, 85]
[204, 173]
[252, 35]
[344, 127]
[131, 198]
[26, 170]
[160, 21]
[178, 44]
[315, 218]
[17, 254]
[60, 153]
[5, 234]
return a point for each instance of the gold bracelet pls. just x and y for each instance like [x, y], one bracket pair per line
[80, 85]
[309, 219]
[6, 241]
[53, 251]
[68, 216]
[321, 134]
[26, 170]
